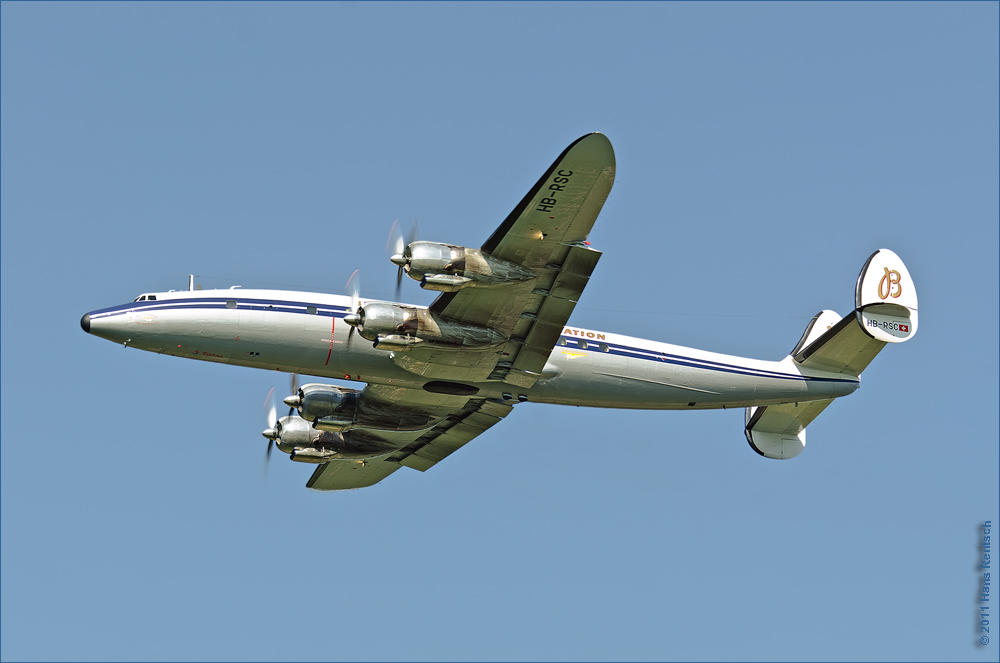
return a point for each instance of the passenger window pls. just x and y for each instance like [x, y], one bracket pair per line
[581, 344]
[230, 303]
[311, 310]
[604, 347]
[561, 341]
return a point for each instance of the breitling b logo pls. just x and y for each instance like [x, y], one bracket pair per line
[890, 279]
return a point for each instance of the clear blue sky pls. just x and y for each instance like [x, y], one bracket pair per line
[764, 151]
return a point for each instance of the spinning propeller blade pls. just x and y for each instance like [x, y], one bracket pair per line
[295, 391]
[399, 247]
[273, 429]
[353, 286]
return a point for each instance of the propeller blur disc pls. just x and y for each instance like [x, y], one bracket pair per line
[295, 390]
[399, 241]
[271, 421]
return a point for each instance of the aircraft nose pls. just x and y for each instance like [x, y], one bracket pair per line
[85, 322]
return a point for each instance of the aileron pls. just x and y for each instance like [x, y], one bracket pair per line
[350, 474]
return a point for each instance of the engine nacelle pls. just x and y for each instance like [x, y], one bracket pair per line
[324, 400]
[396, 327]
[448, 268]
[305, 444]
[337, 410]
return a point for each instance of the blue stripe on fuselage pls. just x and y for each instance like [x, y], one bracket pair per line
[689, 362]
[278, 306]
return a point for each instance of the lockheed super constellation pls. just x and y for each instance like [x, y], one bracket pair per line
[498, 335]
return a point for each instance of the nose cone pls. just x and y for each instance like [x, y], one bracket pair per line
[114, 324]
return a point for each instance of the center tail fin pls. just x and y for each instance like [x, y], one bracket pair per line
[885, 312]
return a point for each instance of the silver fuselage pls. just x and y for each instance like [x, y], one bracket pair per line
[305, 333]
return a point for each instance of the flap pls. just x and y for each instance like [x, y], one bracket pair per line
[451, 434]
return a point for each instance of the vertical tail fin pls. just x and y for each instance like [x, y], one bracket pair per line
[885, 299]
[886, 312]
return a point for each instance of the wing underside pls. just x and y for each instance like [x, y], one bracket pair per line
[422, 451]
[546, 233]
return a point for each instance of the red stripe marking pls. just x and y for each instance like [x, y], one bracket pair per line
[333, 327]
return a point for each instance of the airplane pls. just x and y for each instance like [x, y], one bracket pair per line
[498, 335]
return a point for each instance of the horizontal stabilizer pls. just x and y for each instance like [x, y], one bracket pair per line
[845, 348]
[779, 431]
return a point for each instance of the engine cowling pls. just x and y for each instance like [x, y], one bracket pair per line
[314, 401]
[306, 444]
[396, 327]
[338, 410]
[447, 268]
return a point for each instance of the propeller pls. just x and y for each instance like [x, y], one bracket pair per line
[273, 430]
[399, 242]
[354, 287]
[294, 398]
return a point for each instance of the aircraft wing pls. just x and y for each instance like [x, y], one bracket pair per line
[347, 474]
[457, 420]
[547, 234]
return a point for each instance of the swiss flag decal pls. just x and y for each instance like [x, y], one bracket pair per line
[904, 328]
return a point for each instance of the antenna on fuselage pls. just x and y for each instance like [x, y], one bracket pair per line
[190, 281]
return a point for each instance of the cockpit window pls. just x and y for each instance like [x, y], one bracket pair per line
[151, 298]
[140, 298]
